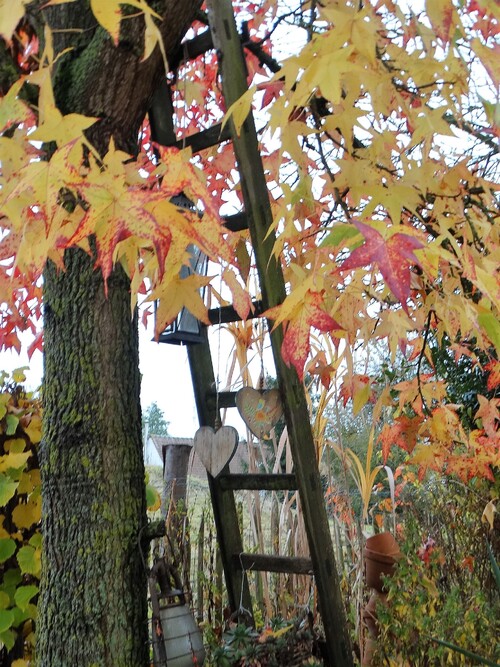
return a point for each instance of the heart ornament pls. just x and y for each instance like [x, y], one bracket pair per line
[260, 410]
[215, 448]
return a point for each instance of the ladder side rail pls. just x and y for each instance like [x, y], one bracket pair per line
[257, 207]
[223, 502]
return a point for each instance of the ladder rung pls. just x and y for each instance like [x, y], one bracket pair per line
[224, 399]
[205, 139]
[192, 48]
[236, 222]
[228, 314]
[268, 563]
[259, 482]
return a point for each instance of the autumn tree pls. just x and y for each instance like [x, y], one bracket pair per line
[380, 146]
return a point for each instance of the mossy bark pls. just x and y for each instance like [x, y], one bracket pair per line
[92, 609]
[93, 601]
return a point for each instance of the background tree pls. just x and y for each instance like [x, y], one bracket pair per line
[154, 417]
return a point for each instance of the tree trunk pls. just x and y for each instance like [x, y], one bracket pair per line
[92, 609]
[93, 600]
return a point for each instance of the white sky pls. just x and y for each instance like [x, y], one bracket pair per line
[166, 380]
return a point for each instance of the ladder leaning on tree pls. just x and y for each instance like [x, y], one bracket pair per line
[223, 35]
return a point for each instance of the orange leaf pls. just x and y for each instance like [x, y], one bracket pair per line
[493, 368]
[241, 299]
[403, 433]
[358, 388]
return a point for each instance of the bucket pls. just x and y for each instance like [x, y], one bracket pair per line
[181, 637]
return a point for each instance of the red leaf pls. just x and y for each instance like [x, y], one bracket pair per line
[296, 346]
[393, 258]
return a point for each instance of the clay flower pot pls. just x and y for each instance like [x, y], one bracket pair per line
[381, 553]
[369, 614]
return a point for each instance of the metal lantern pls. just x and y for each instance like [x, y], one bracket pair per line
[186, 328]
[177, 639]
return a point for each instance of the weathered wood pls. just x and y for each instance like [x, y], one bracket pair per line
[200, 564]
[224, 399]
[205, 139]
[257, 207]
[215, 448]
[228, 314]
[260, 410]
[259, 482]
[236, 222]
[272, 563]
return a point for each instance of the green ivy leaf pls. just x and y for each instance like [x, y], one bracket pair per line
[23, 596]
[6, 619]
[8, 638]
[7, 548]
[29, 560]
[7, 489]
[12, 424]
[4, 600]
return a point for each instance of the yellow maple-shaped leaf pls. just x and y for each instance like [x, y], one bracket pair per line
[239, 110]
[109, 14]
[153, 38]
[115, 214]
[241, 299]
[178, 293]
[12, 109]
[62, 129]
[11, 12]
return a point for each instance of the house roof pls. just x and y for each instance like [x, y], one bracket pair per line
[160, 441]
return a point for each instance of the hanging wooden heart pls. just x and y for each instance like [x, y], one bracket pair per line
[260, 410]
[215, 448]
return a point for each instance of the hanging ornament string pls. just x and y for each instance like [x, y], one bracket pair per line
[259, 408]
[218, 422]
[262, 384]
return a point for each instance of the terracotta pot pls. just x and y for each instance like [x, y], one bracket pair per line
[381, 553]
[383, 543]
[369, 614]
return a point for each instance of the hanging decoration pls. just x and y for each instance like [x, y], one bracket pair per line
[215, 448]
[260, 409]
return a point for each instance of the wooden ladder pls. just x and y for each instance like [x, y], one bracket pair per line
[223, 36]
